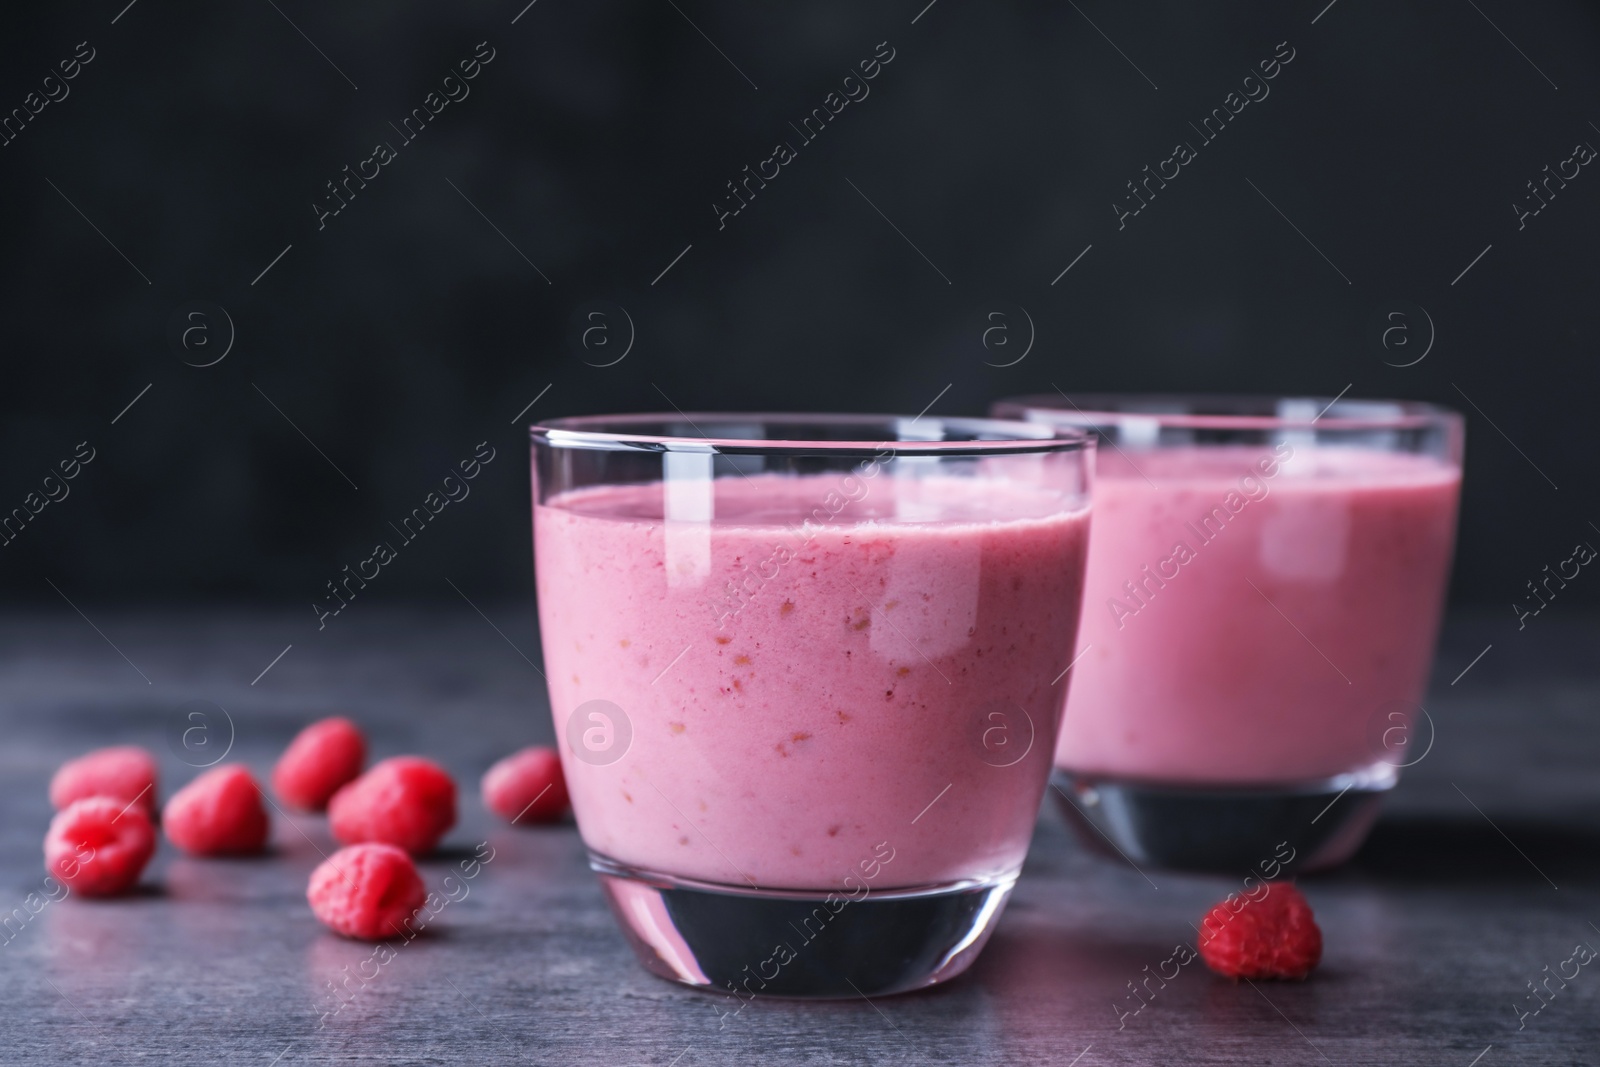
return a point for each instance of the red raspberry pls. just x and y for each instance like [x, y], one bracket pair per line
[406, 801]
[98, 845]
[127, 771]
[218, 813]
[366, 891]
[321, 758]
[1274, 936]
[527, 786]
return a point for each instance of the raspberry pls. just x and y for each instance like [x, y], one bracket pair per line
[366, 891]
[219, 812]
[406, 801]
[127, 772]
[1274, 936]
[527, 786]
[320, 759]
[98, 845]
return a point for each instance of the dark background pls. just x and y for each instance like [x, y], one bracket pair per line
[596, 141]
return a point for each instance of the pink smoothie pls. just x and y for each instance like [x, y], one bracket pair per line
[1248, 631]
[782, 734]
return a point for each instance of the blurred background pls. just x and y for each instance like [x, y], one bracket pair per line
[268, 361]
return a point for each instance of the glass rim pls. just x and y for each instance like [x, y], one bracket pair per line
[617, 433]
[1091, 409]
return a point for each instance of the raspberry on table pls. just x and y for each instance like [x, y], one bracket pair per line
[1274, 936]
[320, 759]
[406, 801]
[125, 771]
[366, 891]
[527, 787]
[98, 846]
[218, 813]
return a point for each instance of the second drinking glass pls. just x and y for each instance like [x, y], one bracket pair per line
[1264, 592]
[807, 672]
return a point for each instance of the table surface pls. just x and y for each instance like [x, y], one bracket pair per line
[1432, 934]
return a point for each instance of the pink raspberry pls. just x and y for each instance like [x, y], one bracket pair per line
[127, 771]
[406, 801]
[99, 845]
[218, 813]
[321, 758]
[1274, 936]
[527, 786]
[366, 891]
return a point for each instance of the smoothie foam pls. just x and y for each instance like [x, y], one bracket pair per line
[1245, 627]
[784, 741]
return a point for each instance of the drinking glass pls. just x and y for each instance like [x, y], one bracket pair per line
[1265, 585]
[807, 673]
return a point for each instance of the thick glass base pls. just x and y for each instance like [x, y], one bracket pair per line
[1225, 829]
[745, 942]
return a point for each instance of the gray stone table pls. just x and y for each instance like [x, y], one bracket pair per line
[1481, 874]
